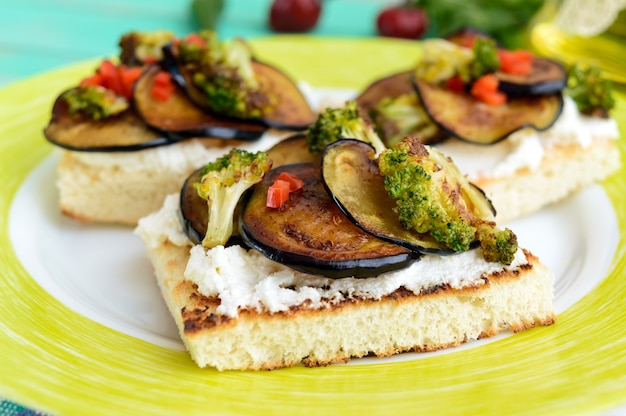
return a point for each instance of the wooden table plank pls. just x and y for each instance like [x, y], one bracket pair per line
[40, 35]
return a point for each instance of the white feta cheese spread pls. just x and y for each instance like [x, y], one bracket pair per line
[179, 157]
[525, 148]
[245, 279]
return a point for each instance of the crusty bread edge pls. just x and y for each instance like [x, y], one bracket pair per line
[400, 322]
[564, 170]
[110, 195]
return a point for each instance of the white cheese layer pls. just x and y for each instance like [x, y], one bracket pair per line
[245, 279]
[179, 157]
[525, 148]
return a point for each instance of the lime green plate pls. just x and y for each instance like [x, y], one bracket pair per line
[61, 361]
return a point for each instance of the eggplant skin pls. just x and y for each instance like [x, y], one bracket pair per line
[352, 178]
[193, 211]
[293, 149]
[292, 112]
[310, 234]
[391, 86]
[124, 132]
[466, 118]
[179, 118]
[546, 77]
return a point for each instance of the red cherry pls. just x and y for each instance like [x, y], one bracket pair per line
[294, 15]
[402, 22]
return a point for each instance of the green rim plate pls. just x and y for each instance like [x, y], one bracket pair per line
[61, 362]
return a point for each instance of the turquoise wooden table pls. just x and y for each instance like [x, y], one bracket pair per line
[39, 35]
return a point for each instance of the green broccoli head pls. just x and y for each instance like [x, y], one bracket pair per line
[222, 184]
[434, 198]
[591, 92]
[396, 117]
[341, 123]
[224, 72]
[498, 245]
[486, 59]
[94, 101]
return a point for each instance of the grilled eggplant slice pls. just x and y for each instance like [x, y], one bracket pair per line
[391, 86]
[310, 234]
[123, 132]
[193, 209]
[413, 119]
[179, 118]
[468, 119]
[292, 111]
[352, 178]
[293, 149]
[547, 77]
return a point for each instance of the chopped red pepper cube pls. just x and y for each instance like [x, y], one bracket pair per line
[277, 194]
[295, 183]
[486, 90]
[515, 62]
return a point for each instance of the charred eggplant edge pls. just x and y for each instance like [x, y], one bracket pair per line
[156, 142]
[170, 64]
[361, 268]
[217, 131]
[454, 134]
[440, 250]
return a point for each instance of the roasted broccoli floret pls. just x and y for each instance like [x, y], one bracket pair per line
[222, 183]
[432, 197]
[591, 92]
[94, 101]
[486, 59]
[341, 123]
[396, 117]
[498, 245]
[223, 72]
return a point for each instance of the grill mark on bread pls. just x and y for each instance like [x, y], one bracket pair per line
[204, 317]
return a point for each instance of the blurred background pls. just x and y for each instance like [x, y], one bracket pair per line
[40, 35]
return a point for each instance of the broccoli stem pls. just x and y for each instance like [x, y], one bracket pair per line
[221, 201]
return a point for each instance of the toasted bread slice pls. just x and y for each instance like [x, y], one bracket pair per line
[530, 170]
[563, 170]
[121, 187]
[346, 322]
